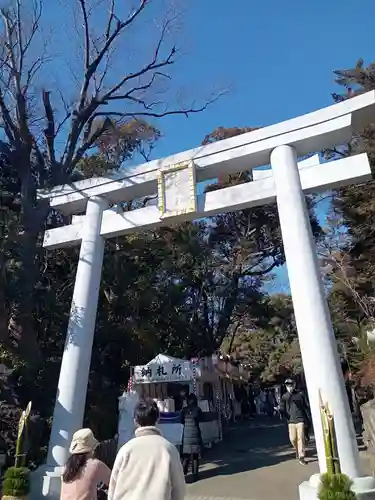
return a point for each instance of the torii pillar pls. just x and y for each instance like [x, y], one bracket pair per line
[178, 201]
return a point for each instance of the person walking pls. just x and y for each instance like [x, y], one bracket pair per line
[148, 466]
[82, 473]
[258, 404]
[294, 407]
[251, 402]
[268, 403]
[191, 415]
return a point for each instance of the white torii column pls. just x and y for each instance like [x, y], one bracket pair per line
[317, 341]
[75, 365]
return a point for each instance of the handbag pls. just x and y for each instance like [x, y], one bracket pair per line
[102, 491]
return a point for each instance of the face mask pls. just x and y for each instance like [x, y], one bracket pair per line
[290, 388]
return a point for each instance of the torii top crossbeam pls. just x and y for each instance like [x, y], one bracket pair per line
[308, 133]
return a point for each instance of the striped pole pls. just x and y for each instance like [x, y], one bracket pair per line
[194, 362]
[130, 384]
[218, 409]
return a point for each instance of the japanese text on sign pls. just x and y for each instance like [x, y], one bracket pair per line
[163, 372]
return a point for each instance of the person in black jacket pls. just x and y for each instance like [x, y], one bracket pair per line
[294, 407]
[191, 415]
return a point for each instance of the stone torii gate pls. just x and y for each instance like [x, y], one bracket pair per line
[175, 179]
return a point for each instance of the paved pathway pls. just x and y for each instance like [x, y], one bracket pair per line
[255, 462]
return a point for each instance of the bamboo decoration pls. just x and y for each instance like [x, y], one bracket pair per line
[20, 457]
[328, 424]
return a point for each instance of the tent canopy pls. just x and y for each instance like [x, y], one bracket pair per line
[162, 359]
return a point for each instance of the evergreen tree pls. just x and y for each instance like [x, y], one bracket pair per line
[352, 258]
[356, 203]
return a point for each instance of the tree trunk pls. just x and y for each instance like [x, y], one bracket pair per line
[21, 324]
[33, 214]
[4, 313]
[226, 314]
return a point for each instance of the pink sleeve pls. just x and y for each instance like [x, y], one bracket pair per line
[103, 473]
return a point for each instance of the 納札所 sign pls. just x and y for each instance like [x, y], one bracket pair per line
[166, 372]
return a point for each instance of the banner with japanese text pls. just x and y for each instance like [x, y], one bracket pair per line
[166, 372]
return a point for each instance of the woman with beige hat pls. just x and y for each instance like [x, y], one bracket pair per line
[83, 473]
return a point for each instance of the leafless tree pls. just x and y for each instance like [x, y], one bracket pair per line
[337, 267]
[46, 135]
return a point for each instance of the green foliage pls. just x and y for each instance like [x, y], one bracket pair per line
[336, 487]
[270, 346]
[16, 482]
[355, 204]
[351, 236]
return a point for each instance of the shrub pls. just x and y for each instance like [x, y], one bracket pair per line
[336, 487]
[16, 482]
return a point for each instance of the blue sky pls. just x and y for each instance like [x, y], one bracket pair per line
[277, 57]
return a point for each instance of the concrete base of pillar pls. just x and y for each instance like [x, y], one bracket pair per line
[363, 487]
[46, 483]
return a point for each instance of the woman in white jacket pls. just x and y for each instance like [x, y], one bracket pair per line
[147, 467]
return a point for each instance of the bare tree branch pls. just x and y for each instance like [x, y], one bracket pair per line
[35, 26]
[110, 19]
[86, 33]
[49, 131]
[153, 65]
[85, 109]
[93, 66]
[186, 111]
[20, 40]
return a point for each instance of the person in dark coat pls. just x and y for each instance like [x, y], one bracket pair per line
[191, 415]
[294, 407]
